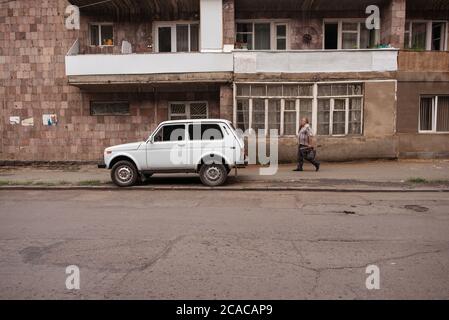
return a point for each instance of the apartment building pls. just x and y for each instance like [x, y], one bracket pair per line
[369, 93]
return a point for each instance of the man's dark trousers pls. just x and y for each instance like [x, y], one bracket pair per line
[302, 154]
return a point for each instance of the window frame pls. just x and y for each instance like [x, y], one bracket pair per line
[91, 102]
[172, 25]
[298, 99]
[161, 127]
[100, 24]
[203, 123]
[187, 108]
[434, 114]
[429, 31]
[340, 32]
[273, 32]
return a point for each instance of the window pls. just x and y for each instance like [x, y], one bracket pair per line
[332, 108]
[182, 37]
[331, 36]
[101, 34]
[262, 34]
[170, 133]
[188, 110]
[425, 35]
[339, 109]
[273, 106]
[434, 114]
[109, 108]
[281, 36]
[349, 34]
[255, 35]
[205, 131]
[242, 114]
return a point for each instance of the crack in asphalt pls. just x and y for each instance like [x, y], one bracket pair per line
[156, 258]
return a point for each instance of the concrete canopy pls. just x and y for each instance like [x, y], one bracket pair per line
[132, 10]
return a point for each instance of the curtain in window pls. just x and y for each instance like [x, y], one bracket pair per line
[339, 115]
[194, 37]
[94, 40]
[425, 114]
[243, 114]
[274, 115]
[290, 117]
[349, 35]
[355, 116]
[182, 38]
[419, 35]
[262, 36]
[323, 116]
[305, 109]
[258, 122]
[443, 114]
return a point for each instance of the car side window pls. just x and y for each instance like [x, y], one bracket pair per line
[205, 131]
[170, 133]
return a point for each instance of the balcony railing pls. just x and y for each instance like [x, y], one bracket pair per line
[157, 63]
[240, 62]
[307, 61]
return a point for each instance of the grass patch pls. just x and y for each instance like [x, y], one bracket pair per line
[15, 183]
[417, 180]
[90, 183]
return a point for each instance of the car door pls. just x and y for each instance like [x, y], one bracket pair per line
[204, 139]
[167, 148]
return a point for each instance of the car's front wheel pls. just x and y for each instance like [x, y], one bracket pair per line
[213, 174]
[124, 174]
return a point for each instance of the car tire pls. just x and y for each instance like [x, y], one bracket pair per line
[124, 174]
[213, 175]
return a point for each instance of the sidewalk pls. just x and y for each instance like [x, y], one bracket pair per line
[419, 175]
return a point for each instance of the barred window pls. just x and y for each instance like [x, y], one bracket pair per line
[188, 110]
[109, 108]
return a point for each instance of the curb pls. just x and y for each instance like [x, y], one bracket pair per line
[222, 188]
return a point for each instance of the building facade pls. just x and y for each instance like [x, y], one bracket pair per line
[369, 93]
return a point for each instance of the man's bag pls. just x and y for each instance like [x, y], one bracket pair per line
[310, 154]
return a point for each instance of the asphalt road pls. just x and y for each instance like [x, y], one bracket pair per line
[220, 245]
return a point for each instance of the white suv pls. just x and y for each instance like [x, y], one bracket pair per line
[210, 147]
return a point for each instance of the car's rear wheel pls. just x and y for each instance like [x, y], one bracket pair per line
[124, 174]
[213, 174]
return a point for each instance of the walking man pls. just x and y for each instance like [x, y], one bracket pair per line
[305, 148]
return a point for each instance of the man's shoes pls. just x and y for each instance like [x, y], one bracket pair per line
[317, 167]
[298, 169]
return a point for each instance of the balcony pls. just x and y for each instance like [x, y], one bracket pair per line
[147, 68]
[205, 67]
[315, 61]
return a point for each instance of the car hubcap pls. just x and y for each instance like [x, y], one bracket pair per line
[213, 173]
[124, 174]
